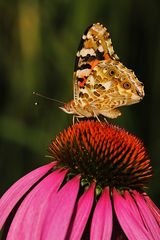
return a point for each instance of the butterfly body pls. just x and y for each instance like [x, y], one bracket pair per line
[101, 82]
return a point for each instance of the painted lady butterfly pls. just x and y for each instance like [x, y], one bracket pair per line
[101, 82]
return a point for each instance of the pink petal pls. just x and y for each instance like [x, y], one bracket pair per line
[148, 217]
[101, 226]
[18, 189]
[154, 209]
[84, 207]
[133, 206]
[28, 221]
[128, 219]
[60, 211]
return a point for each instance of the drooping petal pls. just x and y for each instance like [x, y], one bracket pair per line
[18, 189]
[28, 221]
[133, 206]
[83, 210]
[148, 218]
[128, 220]
[60, 211]
[101, 226]
[154, 209]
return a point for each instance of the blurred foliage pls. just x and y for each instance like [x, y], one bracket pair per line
[38, 43]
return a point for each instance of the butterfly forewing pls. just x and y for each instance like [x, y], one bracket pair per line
[95, 46]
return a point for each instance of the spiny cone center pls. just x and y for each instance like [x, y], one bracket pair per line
[103, 153]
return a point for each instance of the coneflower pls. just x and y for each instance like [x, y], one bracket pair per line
[93, 189]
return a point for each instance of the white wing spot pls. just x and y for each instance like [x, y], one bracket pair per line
[85, 51]
[99, 28]
[91, 80]
[82, 73]
[107, 85]
[78, 55]
[100, 48]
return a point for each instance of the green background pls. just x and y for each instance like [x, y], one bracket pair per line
[38, 43]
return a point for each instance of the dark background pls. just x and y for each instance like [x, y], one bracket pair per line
[38, 43]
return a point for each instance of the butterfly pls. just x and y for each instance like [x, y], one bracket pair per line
[101, 82]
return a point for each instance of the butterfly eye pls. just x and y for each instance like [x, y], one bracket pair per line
[127, 85]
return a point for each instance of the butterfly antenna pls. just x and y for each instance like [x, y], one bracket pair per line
[48, 98]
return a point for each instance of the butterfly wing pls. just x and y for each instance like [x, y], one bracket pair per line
[94, 47]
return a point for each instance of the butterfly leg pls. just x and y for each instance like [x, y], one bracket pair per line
[76, 118]
[105, 119]
[96, 116]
